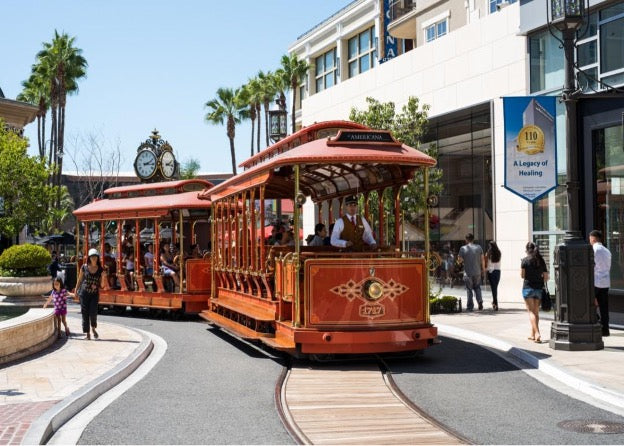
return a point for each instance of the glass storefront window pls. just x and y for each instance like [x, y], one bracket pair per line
[607, 144]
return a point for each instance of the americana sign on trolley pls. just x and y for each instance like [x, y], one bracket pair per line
[530, 145]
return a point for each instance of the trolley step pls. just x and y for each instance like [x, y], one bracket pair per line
[248, 309]
[231, 326]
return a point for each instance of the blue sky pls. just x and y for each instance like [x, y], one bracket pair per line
[155, 63]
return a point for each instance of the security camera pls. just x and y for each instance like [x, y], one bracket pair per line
[502, 5]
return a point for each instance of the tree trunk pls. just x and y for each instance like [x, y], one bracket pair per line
[258, 114]
[294, 90]
[233, 155]
[266, 122]
[253, 134]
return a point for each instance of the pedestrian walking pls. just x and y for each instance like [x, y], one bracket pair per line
[602, 278]
[59, 296]
[534, 272]
[88, 288]
[471, 255]
[493, 257]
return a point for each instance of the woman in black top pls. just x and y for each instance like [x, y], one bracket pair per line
[88, 289]
[534, 273]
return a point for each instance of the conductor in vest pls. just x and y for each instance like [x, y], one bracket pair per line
[352, 230]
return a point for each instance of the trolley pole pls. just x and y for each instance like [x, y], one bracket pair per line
[296, 212]
[427, 248]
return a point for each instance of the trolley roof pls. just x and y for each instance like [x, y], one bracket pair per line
[147, 200]
[354, 161]
[160, 188]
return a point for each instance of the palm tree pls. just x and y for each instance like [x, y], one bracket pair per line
[267, 92]
[227, 106]
[62, 64]
[255, 98]
[36, 92]
[294, 71]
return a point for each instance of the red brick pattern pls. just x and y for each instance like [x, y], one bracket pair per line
[15, 419]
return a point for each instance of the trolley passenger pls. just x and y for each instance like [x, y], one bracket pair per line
[169, 268]
[148, 260]
[318, 239]
[352, 230]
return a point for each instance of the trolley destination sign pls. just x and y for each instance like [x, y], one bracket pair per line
[357, 136]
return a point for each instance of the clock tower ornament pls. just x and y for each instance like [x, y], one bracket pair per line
[155, 160]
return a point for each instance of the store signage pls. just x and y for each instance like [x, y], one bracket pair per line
[530, 145]
[364, 136]
[389, 42]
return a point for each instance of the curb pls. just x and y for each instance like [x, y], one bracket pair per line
[547, 366]
[42, 429]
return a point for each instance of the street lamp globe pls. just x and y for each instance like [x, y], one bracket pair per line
[567, 14]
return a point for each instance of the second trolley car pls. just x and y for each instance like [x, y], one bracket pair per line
[154, 242]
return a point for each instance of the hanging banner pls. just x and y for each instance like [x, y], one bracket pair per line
[389, 43]
[530, 145]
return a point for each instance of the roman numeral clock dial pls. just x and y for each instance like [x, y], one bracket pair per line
[145, 164]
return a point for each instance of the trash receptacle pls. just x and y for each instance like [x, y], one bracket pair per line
[71, 275]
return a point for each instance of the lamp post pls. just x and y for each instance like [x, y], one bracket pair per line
[575, 326]
[277, 124]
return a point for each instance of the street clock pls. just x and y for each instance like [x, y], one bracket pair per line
[155, 160]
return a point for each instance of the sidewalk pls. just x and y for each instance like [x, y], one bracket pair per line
[41, 392]
[596, 374]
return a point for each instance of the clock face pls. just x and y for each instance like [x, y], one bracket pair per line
[145, 164]
[167, 164]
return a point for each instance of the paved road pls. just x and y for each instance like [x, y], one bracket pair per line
[490, 401]
[211, 389]
[207, 389]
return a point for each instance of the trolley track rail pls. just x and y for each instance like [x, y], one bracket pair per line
[353, 404]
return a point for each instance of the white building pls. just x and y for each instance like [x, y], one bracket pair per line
[461, 58]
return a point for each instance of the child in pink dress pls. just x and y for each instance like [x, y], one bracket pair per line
[59, 295]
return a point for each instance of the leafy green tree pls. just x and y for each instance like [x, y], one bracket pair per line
[293, 71]
[407, 126]
[189, 169]
[227, 108]
[56, 216]
[23, 184]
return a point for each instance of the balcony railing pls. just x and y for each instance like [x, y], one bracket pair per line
[400, 8]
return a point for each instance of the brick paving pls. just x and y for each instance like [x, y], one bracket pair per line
[15, 419]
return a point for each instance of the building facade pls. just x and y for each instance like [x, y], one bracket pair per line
[461, 58]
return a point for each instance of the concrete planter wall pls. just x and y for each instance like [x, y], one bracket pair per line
[26, 334]
[23, 287]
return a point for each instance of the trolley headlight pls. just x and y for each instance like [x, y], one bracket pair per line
[373, 290]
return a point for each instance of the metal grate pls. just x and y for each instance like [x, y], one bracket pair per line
[592, 426]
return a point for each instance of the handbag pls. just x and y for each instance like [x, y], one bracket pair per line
[546, 300]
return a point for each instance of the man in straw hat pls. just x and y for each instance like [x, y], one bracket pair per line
[352, 230]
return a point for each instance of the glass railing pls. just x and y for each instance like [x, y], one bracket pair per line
[399, 9]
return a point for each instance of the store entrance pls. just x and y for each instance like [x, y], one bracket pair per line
[603, 141]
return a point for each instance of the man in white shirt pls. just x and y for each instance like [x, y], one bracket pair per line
[352, 230]
[602, 278]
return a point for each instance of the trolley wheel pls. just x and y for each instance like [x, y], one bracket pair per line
[118, 310]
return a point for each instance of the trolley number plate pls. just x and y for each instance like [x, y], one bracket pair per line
[372, 310]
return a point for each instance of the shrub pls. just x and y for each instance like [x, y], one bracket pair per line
[24, 261]
[444, 304]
